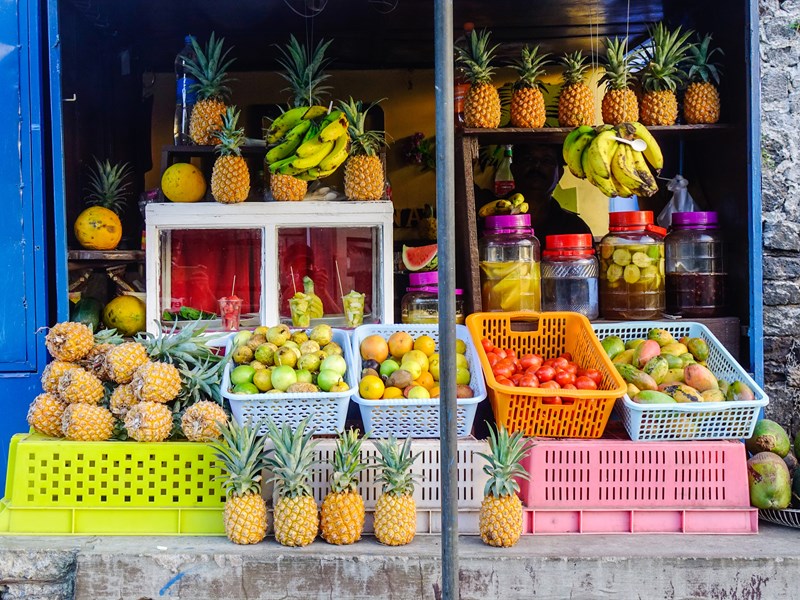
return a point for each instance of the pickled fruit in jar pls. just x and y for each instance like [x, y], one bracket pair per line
[510, 286]
[631, 280]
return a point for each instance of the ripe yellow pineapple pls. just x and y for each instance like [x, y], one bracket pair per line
[296, 516]
[527, 101]
[200, 421]
[79, 386]
[662, 75]
[500, 519]
[395, 510]
[87, 423]
[701, 100]
[210, 69]
[363, 172]
[619, 103]
[122, 400]
[53, 372]
[122, 361]
[45, 414]
[156, 382]
[95, 361]
[286, 188]
[230, 178]
[241, 456]
[342, 514]
[576, 100]
[149, 422]
[482, 102]
[69, 341]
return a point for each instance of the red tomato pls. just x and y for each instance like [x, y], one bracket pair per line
[560, 363]
[528, 380]
[530, 360]
[569, 386]
[516, 378]
[504, 381]
[584, 383]
[487, 345]
[549, 362]
[511, 353]
[564, 377]
[500, 352]
[545, 373]
[567, 355]
[567, 400]
[571, 368]
[492, 358]
[550, 385]
[553, 400]
[594, 375]
[507, 362]
[503, 370]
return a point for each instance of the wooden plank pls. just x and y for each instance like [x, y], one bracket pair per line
[556, 135]
[467, 222]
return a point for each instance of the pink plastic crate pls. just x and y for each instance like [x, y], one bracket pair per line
[622, 474]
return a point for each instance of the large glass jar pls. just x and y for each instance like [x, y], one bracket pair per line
[695, 267]
[509, 259]
[569, 275]
[420, 304]
[632, 267]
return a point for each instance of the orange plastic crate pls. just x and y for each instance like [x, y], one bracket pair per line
[548, 334]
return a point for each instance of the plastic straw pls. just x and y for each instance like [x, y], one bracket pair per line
[233, 285]
[339, 277]
[291, 271]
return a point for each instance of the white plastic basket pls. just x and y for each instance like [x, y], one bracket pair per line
[417, 418]
[695, 420]
[328, 410]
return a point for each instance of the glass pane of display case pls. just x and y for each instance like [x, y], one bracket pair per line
[337, 260]
[200, 267]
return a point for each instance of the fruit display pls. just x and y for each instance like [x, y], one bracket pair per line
[527, 101]
[305, 305]
[511, 286]
[230, 178]
[576, 99]
[513, 205]
[772, 470]
[482, 102]
[364, 178]
[662, 74]
[210, 69]
[396, 509]
[620, 104]
[701, 100]
[98, 227]
[632, 277]
[183, 182]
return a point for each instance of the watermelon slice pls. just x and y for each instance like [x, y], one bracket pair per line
[421, 258]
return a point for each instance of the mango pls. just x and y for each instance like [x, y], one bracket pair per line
[700, 378]
[698, 348]
[613, 345]
[652, 397]
[641, 380]
[681, 393]
[673, 361]
[673, 376]
[657, 367]
[644, 352]
[675, 349]
[634, 343]
[662, 336]
[687, 359]
[713, 396]
[768, 436]
[624, 358]
[740, 391]
[632, 390]
[769, 481]
[684, 340]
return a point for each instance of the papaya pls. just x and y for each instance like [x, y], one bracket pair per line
[653, 397]
[634, 343]
[662, 336]
[698, 348]
[644, 352]
[768, 436]
[700, 378]
[740, 391]
[657, 367]
[613, 345]
[769, 481]
[675, 349]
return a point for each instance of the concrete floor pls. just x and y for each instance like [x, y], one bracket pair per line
[753, 567]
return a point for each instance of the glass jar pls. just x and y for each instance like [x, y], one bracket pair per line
[420, 305]
[632, 267]
[695, 267]
[569, 275]
[509, 260]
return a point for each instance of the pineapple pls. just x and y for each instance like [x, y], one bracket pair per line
[296, 518]
[662, 75]
[363, 172]
[230, 178]
[576, 100]
[53, 372]
[87, 423]
[156, 382]
[500, 518]
[95, 360]
[701, 101]
[45, 414]
[69, 341]
[482, 102]
[395, 510]
[78, 386]
[240, 453]
[122, 400]
[527, 101]
[210, 69]
[342, 515]
[286, 188]
[201, 421]
[121, 362]
[149, 422]
[619, 103]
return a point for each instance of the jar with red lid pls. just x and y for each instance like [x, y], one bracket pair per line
[569, 275]
[420, 304]
[632, 267]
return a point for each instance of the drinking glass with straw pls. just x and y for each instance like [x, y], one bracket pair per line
[230, 309]
[352, 303]
[299, 305]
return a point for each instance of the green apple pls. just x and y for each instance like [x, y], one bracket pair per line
[334, 363]
[282, 377]
[242, 374]
[328, 378]
[388, 367]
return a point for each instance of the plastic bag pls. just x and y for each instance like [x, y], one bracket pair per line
[681, 201]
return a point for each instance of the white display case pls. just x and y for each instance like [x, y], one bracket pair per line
[198, 253]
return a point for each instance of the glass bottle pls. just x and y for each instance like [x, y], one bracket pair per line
[503, 178]
[569, 275]
[420, 304]
[185, 95]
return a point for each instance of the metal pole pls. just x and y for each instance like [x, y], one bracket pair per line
[445, 208]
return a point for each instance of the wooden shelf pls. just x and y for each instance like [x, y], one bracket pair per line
[106, 255]
[210, 150]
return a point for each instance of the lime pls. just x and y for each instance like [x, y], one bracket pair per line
[631, 274]
[606, 250]
[461, 347]
[622, 257]
[242, 374]
[614, 273]
[655, 251]
[245, 388]
[641, 260]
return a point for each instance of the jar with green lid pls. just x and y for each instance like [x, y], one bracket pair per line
[632, 267]
[420, 305]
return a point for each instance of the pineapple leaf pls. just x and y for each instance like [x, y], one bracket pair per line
[503, 462]
[477, 57]
[210, 69]
[304, 71]
[362, 141]
[107, 186]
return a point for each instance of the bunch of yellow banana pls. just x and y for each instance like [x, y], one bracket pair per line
[614, 167]
[514, 205]
[307, 142]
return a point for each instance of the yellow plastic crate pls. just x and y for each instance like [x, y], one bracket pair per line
[115, 488]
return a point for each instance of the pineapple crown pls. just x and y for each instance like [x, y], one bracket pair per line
[210, 69]
[701, 67]
[200, 382]
[187, 347]
[529, 67]
[362, 141]
[230, 138]
[503, 462]
[108, 336]
[304, 71]
[574, 67]
[240, 451]
[662, 58]
[477, 58]
[107, 185]
[291, 458]
[618, 68]
[396, 461]
[346, 461]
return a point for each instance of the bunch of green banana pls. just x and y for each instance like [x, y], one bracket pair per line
[307, 142]
[614, 167]
[514, 205]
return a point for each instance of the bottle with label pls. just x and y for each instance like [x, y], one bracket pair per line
[503, 179]
[185, 94]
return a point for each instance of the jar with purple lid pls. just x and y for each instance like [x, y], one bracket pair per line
[420, 305]
[509, 261]
[695, 266]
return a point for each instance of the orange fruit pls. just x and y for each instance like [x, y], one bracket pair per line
[98, 228]
[400, 343]
[391, 392]
[371, 387]
[425, 344]
[426, 380]
[183, 182]
[434, 391]
[374, 347]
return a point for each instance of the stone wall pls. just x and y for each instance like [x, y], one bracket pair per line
[780, 153]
